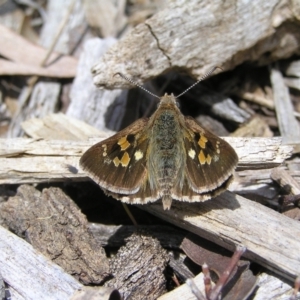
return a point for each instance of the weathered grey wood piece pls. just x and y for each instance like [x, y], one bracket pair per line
[43, 101]
[88, 103]
[18, 63]
[227, 109]
[285, 180]
[288, 125]
[196, 35]
[269, 288]
[292, 83]
[76, 25]
[60, 127]
[30, 160]
[219, 105]
[272, 288]
[13, 17]
[293, 69]
[29, 273]
[96, 293]
[138, 268]
[54, 225]
[183, 292]
[108, 17]
[229, 220]
[2, 288]
[178, 263]
[256, 127]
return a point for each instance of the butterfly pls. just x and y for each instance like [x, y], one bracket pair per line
[167, 156]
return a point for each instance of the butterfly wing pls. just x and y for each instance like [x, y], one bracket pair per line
[210, 162]
[144, 195]
[118, 164]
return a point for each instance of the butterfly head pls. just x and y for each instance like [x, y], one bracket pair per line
[168, 101]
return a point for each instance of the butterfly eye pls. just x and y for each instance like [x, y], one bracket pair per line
[177, 104]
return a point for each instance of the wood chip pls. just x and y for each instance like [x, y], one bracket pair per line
[74, 29]
[108, 17]
[88, 103]
[13, 48]
[284, 179]
[284, 110]
[2, 288]
[271, 288]
[254, 128]
[29, 273]
[218, 35]
[43, 101]
[55, 226]
[96, 293]
[138, 268]
[293, 69]
[184, 292]
[292, 83]
[61, 127]
[229, 220]
[258, 99]
[212, 125]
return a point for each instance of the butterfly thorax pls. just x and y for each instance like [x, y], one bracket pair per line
[167, 147]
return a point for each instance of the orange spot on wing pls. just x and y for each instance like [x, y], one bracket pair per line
[202, 158]
[208, 159]
[123, 143]
[203, 138]
[125, 159]
[202, 141]
[116, 161]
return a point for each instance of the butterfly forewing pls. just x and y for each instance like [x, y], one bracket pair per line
[117, 164]
[210, 161]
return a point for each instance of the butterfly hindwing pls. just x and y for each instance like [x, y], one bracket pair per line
[118, 164]
[144, 195]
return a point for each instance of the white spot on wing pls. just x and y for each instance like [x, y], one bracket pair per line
[104, 150]
[192, 153]
[138, 155]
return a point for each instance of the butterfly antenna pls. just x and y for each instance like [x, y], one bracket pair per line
[201, 79]
[136, 84]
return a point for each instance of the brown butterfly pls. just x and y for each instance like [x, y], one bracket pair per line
[168, 156]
